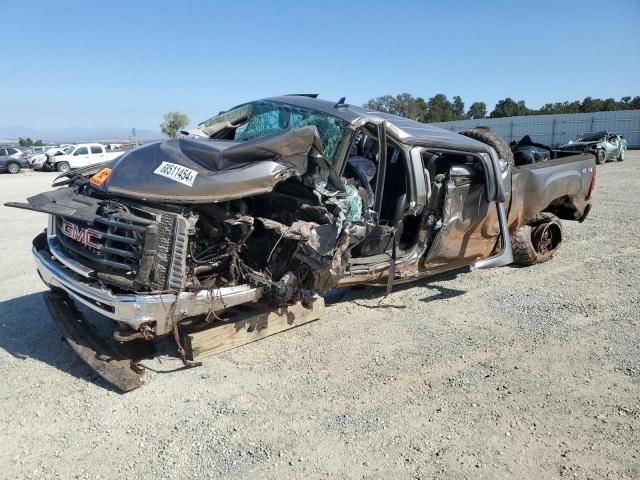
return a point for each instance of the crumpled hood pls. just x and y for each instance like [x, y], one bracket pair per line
[197, 171]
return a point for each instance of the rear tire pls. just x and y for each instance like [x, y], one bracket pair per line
[63, 167]
[488, 136]
[538, 241]
[621, 156]
[600, 157]
[13, 168]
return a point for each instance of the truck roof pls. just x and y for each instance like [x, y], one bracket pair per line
[406, 130]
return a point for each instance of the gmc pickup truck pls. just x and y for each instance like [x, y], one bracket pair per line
[278, 200]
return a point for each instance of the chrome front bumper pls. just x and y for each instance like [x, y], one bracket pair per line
[136, 309]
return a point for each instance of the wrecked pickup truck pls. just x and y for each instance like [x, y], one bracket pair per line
[280, 199]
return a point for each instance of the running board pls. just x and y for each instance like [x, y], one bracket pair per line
[505, 257]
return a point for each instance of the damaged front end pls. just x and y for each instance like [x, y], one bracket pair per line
[184, 229]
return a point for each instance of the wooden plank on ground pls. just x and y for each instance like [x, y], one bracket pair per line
[246, 326]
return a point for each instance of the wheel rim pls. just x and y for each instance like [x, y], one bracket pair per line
[622, 155]
[14, 168]
[546, 238]
[64, 168]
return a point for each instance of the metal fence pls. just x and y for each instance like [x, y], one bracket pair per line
[557, 129]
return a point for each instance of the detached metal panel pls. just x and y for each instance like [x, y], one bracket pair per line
[557, 129]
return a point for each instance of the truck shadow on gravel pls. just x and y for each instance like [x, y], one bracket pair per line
[358, 295]
[28, 331]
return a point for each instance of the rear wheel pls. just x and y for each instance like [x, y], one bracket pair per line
[488, 136]
[13, 167]
[63, 167]
[621, 156]
[600, 157]
[538, 241]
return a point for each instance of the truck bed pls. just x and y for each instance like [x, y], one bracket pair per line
[562, 186]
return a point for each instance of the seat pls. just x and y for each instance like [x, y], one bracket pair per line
[364, 170]
[435, 165]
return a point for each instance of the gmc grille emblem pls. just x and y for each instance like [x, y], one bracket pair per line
[86, 236]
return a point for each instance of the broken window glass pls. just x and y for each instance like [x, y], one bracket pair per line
[261, 118]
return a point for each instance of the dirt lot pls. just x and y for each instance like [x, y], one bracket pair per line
[504, 373]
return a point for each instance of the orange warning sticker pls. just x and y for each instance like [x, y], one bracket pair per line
[99, 178]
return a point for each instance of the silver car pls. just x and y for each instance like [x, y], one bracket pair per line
[12, 159]
[606, 146]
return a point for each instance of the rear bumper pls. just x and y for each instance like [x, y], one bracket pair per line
[134, 310]
[586, 211]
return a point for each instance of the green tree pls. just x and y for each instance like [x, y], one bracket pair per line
[381, 104]
[590, 104]
[634, 104]
[509, 108]
[25, 142]
[558, 107]
[408, 106]
[439, 109]
[458, 108]
[173, 123]
[403, 104]
[610, 105]
[477, 110]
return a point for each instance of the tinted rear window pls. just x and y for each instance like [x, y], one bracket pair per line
[96, 149]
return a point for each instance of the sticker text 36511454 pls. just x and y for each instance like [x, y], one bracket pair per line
[177, 173]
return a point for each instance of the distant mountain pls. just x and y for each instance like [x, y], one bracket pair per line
[77, 134]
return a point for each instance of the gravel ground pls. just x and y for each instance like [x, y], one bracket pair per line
[503, 373]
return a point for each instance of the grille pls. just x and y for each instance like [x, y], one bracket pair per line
[132, 248]
[115, 245]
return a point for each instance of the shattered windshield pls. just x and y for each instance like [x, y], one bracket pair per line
[257, 119]
[591, 137]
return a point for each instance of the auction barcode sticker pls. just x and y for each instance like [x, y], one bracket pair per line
[177, 172]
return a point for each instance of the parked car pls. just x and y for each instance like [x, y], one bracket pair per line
[280, 199]
[12, 159]
[39, 161]
[82, 155]
[34, 150]
[606, 146]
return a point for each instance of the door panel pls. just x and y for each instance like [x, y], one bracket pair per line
[470, 227]
[80, 158]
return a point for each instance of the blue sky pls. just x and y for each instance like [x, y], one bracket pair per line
[124, 64]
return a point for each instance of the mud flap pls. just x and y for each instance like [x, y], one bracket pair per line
[94, 350]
